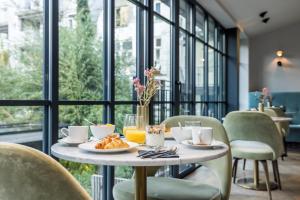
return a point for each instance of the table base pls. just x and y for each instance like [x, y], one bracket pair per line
[140, 183]
[248, 183]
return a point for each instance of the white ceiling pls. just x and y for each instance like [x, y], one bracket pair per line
[245, 13]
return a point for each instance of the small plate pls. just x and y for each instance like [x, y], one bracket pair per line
[90, 146]
[67, 141]
[214, 145]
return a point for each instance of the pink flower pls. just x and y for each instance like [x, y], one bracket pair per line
[140, 89]
[148, 73]
[265, 92]
[136, 81]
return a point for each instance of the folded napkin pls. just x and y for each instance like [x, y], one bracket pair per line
[157, 154]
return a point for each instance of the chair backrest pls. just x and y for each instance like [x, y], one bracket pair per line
[254, 126]
[221, 166]
[283, 127]
[28, 174]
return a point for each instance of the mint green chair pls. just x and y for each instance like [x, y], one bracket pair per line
[163, 188]
[28, 174]
[254, 136]
[283, 127]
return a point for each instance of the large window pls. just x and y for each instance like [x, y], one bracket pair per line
[70, 61]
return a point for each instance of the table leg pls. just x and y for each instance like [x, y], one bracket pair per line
[140, 183]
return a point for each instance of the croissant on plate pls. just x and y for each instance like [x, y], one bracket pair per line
[111, 142]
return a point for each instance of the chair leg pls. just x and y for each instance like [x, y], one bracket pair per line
[265, 166]
[275, 163]
[235, 166]
[244, 164]
[274, 172]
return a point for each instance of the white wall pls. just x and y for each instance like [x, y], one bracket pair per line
[264, 71]
[244, 72]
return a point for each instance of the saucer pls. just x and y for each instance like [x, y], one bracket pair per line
[66, 140]
[214, 145]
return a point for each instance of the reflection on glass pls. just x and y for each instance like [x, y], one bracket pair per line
[211, 32]
[201, 109]
[76, 115]
[162, 58]
[120, 113]
[185, 16]
[22, 125]
[161, 112]
[21, 49]
[184, 68]
[125, 51]
[81, 50]
[221, 39]
[185, 109]
[211, 74]
[163, 7]
[200, 90]
[200, 24]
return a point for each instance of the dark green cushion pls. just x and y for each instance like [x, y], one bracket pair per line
[251, 150]
[163, 188]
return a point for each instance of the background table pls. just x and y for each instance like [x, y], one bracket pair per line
[282, 119]
[186, 156]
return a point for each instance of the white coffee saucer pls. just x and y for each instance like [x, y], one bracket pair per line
[68, 141]
[215, 144]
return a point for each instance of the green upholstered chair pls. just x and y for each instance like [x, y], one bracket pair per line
[28, 174]
[283, 127]
[254, 136]
[160, 188]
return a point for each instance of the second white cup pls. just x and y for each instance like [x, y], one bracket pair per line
[76, 133]
[203, 135]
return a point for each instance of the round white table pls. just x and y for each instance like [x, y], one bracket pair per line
[186, 156]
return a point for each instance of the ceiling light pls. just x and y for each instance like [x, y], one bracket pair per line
[266, 20]
[263, 14]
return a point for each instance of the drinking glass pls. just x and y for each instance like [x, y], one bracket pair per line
[132, 130]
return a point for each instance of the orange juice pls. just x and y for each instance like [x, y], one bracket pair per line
[125, 128]
[134, 135]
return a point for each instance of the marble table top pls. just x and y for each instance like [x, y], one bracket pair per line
[282, 119]
[186, 156]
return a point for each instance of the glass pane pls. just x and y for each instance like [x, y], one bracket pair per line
[220, 39]
[185, 109]
[21, 49]
[212, 110]
[162, 57]
[81, 50]
[120, 112]
[22, 125]
[211, 74]
[184, 68]
[201, 109]
[185, 16]
[161, 112]
[163, 7]
[211, 32]
[220, 78]
[200, 24]
[125, 51]
[76, 115]
[200, 90]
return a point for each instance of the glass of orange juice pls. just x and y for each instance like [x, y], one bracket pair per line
[131, 130]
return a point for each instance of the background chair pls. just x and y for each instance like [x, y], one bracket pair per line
[254, 136]
[28, 174]
[283, 127]
[160, 188]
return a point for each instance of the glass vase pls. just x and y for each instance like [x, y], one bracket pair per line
[142, 121]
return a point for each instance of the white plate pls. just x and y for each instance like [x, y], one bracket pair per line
[67, 141]
[215, 144]
[90, 146]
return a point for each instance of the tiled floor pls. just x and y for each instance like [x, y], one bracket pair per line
[290, 180]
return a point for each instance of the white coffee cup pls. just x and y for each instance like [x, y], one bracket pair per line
[206, 136]
[76, 133]
[181, 133]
